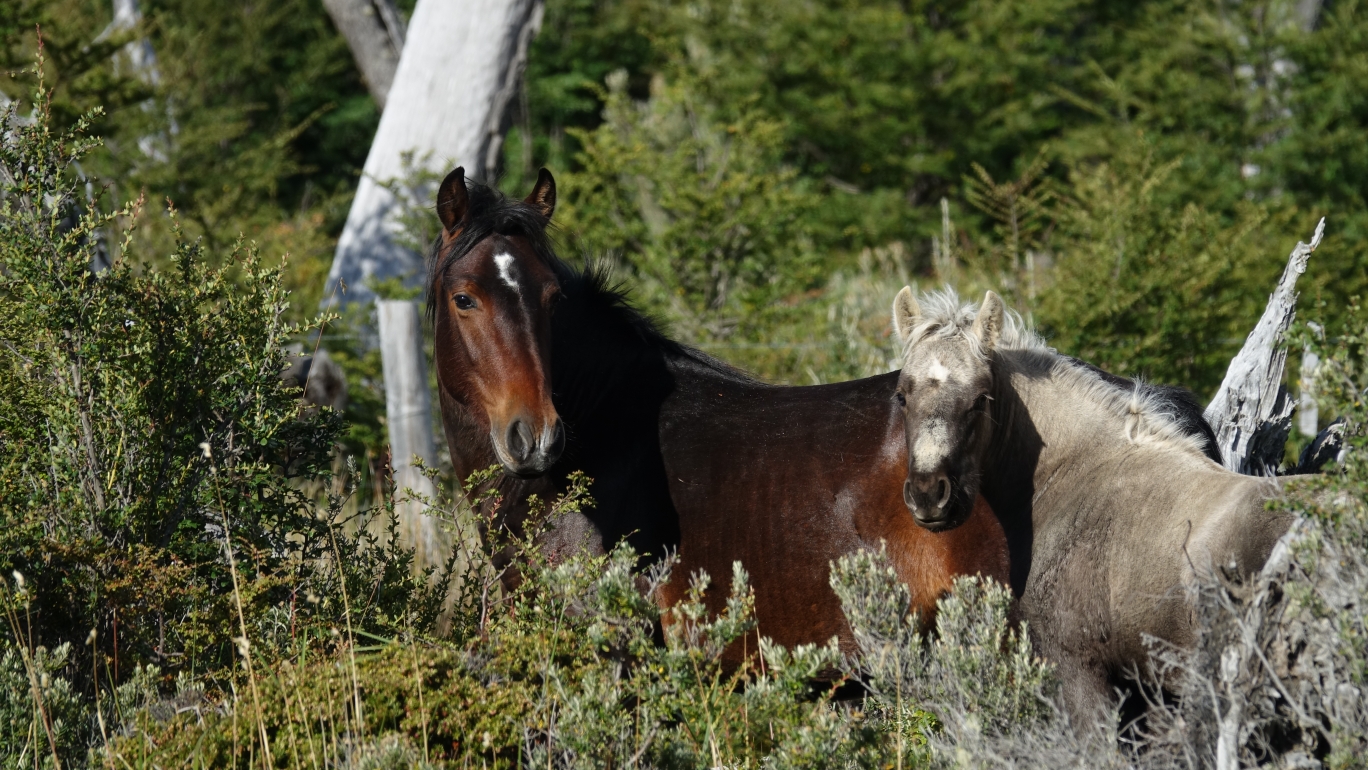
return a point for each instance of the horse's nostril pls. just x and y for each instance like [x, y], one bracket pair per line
[557, 439]
[519, 440]
[943, 486]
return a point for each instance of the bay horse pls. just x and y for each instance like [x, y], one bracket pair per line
[1112, 506]
[685, 453]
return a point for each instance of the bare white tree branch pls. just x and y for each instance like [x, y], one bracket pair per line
[374, 32]
[1252, 411]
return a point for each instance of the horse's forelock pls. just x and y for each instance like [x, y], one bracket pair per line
[489, 213]
[945, 316]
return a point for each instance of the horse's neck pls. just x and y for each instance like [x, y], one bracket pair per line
[1055, 427]
[1047, 418]
[605, 376]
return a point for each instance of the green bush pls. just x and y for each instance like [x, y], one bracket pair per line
[164, 503]
[1115, 274]
[713, 226]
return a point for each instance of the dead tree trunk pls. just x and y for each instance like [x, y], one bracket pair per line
[374, 32]
[140, 55]
[459, 71]
[141, 60]
[1308, 422]
[1252, 411]
[408, 413]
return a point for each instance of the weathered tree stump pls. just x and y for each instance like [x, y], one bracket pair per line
[1251, 413]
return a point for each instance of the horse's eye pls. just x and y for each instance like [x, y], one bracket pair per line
[902, 400]
[981, 403]
[464, 302]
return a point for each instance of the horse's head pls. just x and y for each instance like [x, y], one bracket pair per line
[491, 293]
[944, 391]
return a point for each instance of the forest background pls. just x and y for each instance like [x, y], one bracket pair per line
[762, 176]
[1130, 175]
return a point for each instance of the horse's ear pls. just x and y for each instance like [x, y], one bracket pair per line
[543, 195]
[988, 323]
[906, 313]
[453, 201]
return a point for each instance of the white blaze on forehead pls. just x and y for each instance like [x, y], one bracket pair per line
[937, 371]
[930, 447]
[504, 262]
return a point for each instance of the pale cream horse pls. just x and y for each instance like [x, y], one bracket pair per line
[1111, 508]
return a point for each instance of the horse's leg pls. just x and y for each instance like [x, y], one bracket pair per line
[1085, 692]
[1067, 613]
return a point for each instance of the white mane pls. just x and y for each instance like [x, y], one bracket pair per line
[1145, 414]
[943, 315]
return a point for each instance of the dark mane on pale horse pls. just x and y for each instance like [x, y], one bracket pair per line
[1107, 489]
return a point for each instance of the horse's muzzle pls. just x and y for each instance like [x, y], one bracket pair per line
[525, 454]
[928, 498]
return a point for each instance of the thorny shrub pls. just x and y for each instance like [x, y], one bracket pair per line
[580, 668]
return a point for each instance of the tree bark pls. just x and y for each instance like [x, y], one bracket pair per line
[140, 55]
[408, 413]
[1308, 14]
[375, 34]
[1252, 411]
[448, 106]
[458, 73]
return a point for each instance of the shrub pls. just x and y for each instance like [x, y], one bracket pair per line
[165, 504]
[700, 209]
[580, 668]
[564, 672]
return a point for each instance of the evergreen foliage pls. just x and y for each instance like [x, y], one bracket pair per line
[849, 121]
[1205, 117]
[256, 124]
[191, 574]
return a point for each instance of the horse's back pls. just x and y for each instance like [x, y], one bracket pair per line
[788, 479]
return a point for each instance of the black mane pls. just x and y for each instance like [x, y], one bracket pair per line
[612, 369]
[600, 295]
[490, 212]
[1183, 407]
